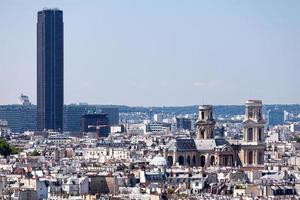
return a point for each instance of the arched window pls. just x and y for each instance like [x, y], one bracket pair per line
[181, 160]
[226, 160]
[188, 160]
[202, 115]
[202, 133]
[194, 160]
[250, 113]
[202, 161]
[250, 157]
[260, 159]
[250, 134]
[212, 161]
[259, 134]
[170, 160]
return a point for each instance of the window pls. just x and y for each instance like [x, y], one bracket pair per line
[202, 161]
[259, 134]
[250, 158]
[250, 134]
[202, 134]
[259, 115]
[202, 115]
[250, 112]
[260, 159]
[212, 161]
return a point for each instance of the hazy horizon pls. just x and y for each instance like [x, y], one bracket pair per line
[161, 53]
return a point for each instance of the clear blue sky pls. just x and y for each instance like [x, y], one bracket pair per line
[159, 52]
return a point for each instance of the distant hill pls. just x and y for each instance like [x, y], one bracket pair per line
[218, 109]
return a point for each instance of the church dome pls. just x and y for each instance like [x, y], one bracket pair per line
[158, 160]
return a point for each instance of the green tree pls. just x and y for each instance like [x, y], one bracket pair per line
[5, 149]
[297, 139]
[15, 150]
[35, 153]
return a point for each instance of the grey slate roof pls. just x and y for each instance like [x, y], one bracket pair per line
[185, 145]
[189, 144]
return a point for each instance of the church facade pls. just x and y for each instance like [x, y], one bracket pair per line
[206, 150]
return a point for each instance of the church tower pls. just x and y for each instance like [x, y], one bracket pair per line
[205, 124]
[253, 144]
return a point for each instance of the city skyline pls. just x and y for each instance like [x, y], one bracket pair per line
[142, 57]
[149, 100]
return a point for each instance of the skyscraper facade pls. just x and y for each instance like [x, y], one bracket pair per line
[73, 114]
[98, 123]
[50, 70]
[183, 123]
[20, 118]
[275, 117]
[112, 114]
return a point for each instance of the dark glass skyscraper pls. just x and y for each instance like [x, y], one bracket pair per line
[50, 69]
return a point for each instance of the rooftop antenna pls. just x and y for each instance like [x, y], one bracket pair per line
[251, 93]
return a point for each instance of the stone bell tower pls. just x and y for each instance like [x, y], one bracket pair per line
[205, 124]
[253, 144]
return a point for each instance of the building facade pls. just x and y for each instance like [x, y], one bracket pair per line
[72, 116]
[20, 118]
[275, 117]
[95, 123]
[4, 129]
[183, 123]
[112, 114]
[50, 70]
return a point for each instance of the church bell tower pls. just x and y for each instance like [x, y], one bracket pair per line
[253, 144]
[205, 124]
